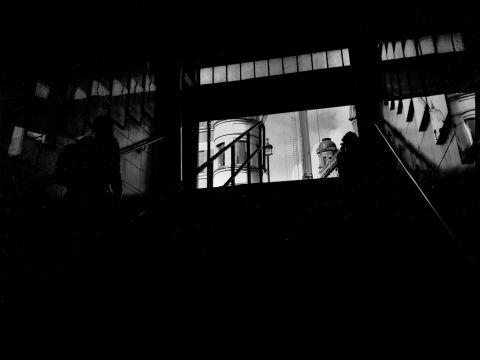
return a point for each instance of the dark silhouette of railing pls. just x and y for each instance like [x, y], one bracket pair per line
[415, 182]
[234, 169]
[141, 145]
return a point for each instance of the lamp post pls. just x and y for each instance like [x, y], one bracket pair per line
[268, 153]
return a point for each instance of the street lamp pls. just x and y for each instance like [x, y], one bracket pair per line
[268, 153]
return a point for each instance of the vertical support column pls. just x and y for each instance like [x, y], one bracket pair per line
[57, 101]
[167, 122]
[210, 165]
[232, 163]
[249, 174]
[261, 143]
[366, 67]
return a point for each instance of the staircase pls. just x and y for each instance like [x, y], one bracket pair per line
[279, 268]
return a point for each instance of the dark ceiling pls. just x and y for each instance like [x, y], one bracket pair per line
[208, 33]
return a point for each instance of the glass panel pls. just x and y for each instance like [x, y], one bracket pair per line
[247, 70]
[233, 72]
[221, 158]
[202, 157]
[305, 62]
[346, 57]
[153, 87]
[410, 48]
[219, 74]
[117, 88]
[206, 76]
[320, 60]
[261, 68]
[135, 87]
[384, 52]
[444, 43]
[398, 53]
[79, 94]
[275, 66]
[426, 45]
[290, 64]
[241, 149]
[334, 58]
[94, 90]
[42, 90]
[16, 143]
[458, 42]
[202, 137]
[390, 53]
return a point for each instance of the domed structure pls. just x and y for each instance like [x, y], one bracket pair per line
[326, 145]
[327, 152]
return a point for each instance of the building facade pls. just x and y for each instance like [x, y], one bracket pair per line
[222, 133]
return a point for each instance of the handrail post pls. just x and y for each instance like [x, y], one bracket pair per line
[249, 175]
[260, 156]
[210, 164]
[232, 164]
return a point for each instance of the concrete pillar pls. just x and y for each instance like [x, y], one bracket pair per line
[167, 122]
[366, 66]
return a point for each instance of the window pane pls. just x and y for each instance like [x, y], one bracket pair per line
[458, 42]
[202, 137]
[426, 45]
[305, 62]
[390, 53]
[153, 87]
[398, 51]
[410, 48]
[320, 60]
[117, 88]
[275, 66]
[201, 157]
[42, 90]
[221, 158]
[334, 58]
[346, 57]
[247, 70]
[261, 68]
[233, 72]
[290, 64]
[444, 43]
[205, 76]
[135, 86]
[384, 52]
[219, 74]
[241, 149]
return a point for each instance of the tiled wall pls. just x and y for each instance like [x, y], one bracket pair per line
[420, 148]
[133, 115]
[134, 166]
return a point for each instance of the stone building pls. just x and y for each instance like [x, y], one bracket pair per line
[327, 153]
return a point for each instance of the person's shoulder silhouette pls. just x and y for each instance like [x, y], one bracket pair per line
[349, 163]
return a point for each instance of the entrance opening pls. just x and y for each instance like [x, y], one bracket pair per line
[299, 145]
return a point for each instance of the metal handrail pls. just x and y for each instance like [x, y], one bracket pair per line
[330, 167]
[242, 166]
[140, 144]
[410, 175]
[209, 161]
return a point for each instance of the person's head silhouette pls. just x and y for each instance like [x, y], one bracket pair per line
[349, 140]
[103, 126]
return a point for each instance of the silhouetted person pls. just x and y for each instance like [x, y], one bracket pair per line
[90, 168]
[349, 158]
